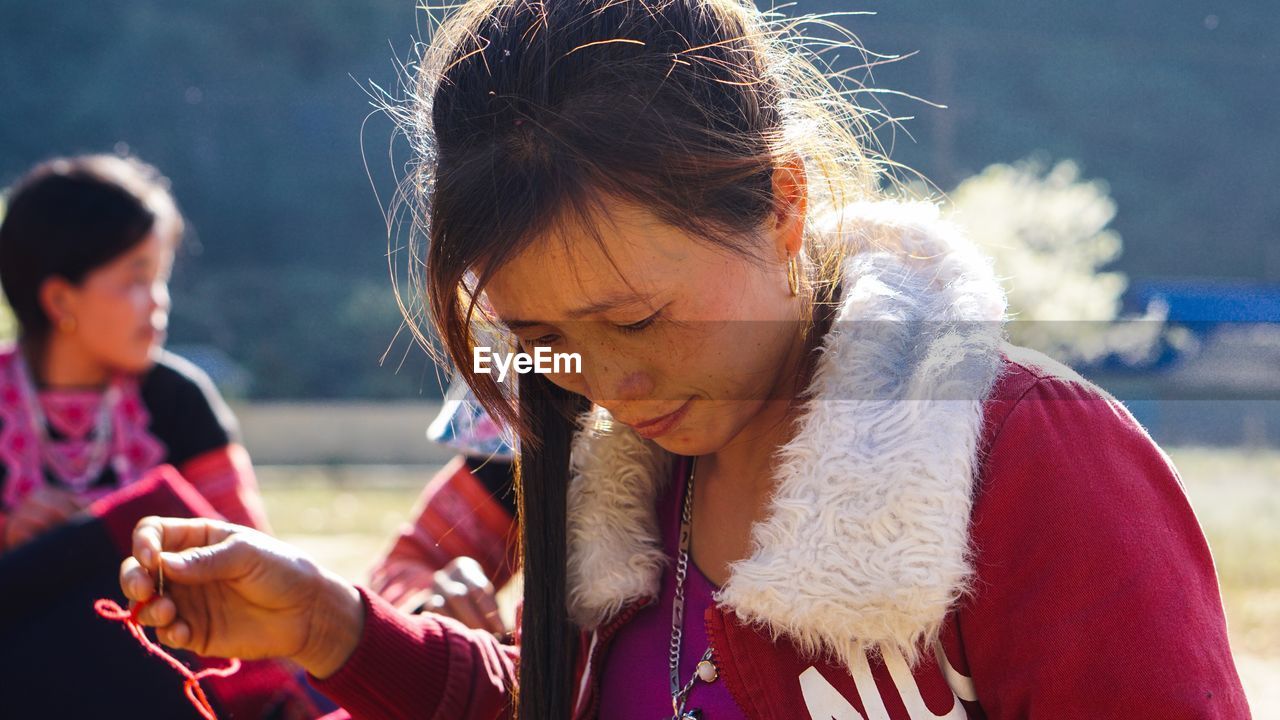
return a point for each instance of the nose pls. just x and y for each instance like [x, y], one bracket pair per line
[160, 301]
[612, 384]
[160, 296]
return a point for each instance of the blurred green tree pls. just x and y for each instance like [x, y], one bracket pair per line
[1048, 232]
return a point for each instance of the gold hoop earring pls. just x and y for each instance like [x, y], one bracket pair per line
[793, 275]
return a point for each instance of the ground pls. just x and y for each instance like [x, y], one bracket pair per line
[345, 516]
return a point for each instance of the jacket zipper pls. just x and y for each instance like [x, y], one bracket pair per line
[718, 659]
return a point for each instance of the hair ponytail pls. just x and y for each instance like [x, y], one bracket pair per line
[549, 640]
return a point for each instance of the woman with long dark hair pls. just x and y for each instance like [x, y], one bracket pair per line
[797, 474]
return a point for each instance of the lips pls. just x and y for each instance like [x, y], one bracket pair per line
[151, 334]
[663, 424]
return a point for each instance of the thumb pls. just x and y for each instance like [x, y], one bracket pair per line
[230, 559]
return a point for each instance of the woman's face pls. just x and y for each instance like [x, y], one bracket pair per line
[680, 339]
[121, 309]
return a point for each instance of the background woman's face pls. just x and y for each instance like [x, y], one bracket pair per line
[122, 308]
[679, 338]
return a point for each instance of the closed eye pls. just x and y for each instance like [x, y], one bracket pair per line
[638, 326]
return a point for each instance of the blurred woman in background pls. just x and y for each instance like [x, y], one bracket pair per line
[460, 548]
[94, 417]
[89, 401]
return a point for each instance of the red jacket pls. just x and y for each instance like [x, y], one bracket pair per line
[959, 529]
[1095, 597]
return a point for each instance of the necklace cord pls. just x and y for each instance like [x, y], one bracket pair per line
[679, 695]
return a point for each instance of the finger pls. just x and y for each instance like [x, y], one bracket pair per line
[486, 605]
[457, 601]
[160, 612]
[227, 560]
[466, 570]
[482, 604]
[135, 581]
[177, 634]
[480, 593]
[151, 533]
[461, 608]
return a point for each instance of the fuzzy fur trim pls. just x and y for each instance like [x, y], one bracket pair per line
[865, 546]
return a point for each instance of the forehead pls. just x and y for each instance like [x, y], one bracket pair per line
[625, 251]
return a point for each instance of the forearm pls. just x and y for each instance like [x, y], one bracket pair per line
[420, 666]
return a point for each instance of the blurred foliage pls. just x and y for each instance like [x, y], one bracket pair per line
[334, 346]
[1171, 103]
[255, 110]
[1047, 230]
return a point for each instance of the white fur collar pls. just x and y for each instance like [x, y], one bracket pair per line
[866, 543]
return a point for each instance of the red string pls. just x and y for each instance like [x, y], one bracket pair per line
[110, 610]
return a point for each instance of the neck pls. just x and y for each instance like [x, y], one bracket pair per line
[61, 363]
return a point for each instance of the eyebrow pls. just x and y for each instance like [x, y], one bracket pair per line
[609, 302]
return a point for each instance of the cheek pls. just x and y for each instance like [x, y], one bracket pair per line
[574, 383]
[728, 360]
[114, 317]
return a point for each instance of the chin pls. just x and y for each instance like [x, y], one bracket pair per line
[137, 364]
[684, 443]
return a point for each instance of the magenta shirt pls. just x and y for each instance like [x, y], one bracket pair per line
[637, 682]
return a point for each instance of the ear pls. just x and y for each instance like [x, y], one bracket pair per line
[58, 298]
[791, 205]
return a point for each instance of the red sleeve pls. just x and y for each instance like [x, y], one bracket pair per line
[421, 666]
[1095, 593]
[455, 516]
[224, 476]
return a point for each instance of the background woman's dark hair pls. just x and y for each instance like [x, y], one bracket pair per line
[68, 216]
[526, 115]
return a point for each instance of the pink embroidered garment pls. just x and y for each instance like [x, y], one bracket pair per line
[94, 441]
